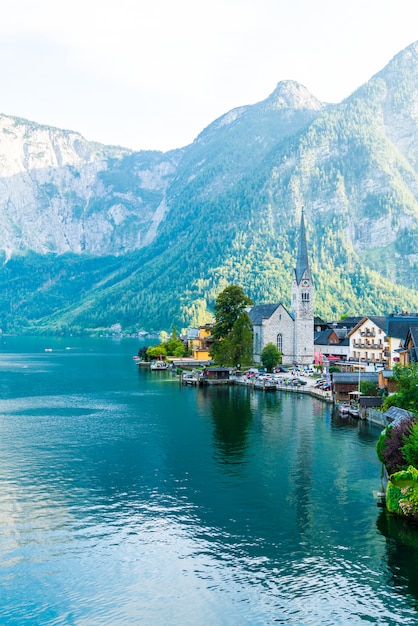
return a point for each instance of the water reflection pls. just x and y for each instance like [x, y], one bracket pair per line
[401, 551]
[231, 416]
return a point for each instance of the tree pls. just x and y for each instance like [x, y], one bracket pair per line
[232, 332]
[270, 356]
[368, 388]
[229, 305]
[410, 445]
[175, 346]
[237, 347]
[390, 445]
[156, 351]
[406, 396]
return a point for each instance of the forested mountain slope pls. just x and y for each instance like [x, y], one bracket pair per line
[151, 238]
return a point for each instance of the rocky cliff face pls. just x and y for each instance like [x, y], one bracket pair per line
[60, 193]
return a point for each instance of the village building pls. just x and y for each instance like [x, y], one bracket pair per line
[408, 353]
[344, 384]
[368, 340]
[201, 342]
[331, 344]
[291, 331]
[397, 329]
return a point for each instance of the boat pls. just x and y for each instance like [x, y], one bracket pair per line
[266, 385]
[158, 365]
[343, 408]
[190, 378]
[354, 410]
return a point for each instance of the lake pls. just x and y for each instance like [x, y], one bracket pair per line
[128, 499]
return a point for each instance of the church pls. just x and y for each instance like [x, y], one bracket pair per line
[291, 331]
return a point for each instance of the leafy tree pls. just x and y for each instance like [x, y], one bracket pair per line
[232, 331]
[154, 352]
[390, 445]
[142, 353]
[410, 445]
[406, 396]
[270, 356]
[237, 347]
[229, 305]
[368, 388]
[174, 346]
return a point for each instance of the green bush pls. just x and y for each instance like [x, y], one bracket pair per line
[410, 446]
[381, 444]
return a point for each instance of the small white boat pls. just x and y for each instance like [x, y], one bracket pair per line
[343, 408]
[190, 378]
[354, 411]
[158, 365]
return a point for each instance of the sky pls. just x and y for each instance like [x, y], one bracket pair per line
[152, 74]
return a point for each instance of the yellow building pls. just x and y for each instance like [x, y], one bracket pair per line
[201, 344]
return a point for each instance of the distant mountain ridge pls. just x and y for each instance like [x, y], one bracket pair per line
[147, 239]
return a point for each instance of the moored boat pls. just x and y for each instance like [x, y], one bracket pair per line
[343, 409]
[354, 410]
[158, 365]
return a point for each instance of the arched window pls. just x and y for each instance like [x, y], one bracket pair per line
[280, 343]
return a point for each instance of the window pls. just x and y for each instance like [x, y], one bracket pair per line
[305, 296]
[280, 343]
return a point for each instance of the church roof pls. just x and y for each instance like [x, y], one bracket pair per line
[262, 311]
[302, 262]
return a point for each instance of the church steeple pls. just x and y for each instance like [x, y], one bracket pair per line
[302, 302]
[302, 263]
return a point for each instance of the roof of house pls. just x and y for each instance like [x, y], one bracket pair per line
[322, 338]
[341, 332]
[387, 373]
[370, 401]
[378, 320]
[348, 322]
[413, 334]
[395, 415]
[399, 327]
[353, 377]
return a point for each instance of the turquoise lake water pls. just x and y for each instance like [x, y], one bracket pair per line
[128, 499]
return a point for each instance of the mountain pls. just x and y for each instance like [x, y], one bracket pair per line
[95, 235]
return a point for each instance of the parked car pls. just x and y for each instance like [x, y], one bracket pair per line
[297, 382]
[280, 368]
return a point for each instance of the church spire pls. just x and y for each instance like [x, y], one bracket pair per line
[302, 263]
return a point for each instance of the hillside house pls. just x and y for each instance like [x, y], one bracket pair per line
[332, 343]
[202, 342]
[397, 327]
[408, 353]
[344, 383]
[368, 340]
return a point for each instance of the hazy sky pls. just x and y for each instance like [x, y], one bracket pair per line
[151, 74]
